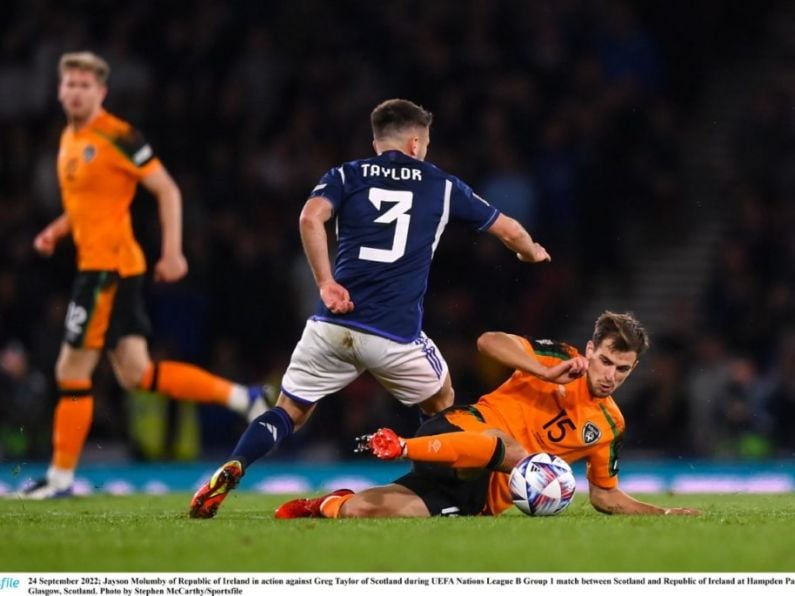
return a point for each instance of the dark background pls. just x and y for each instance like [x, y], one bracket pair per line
[648, 145]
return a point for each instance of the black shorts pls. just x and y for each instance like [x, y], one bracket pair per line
[442, 488]
[104, 308]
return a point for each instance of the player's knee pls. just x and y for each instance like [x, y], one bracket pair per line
[129, 367]
[62, 370]
[71, 366]
[129, 374]
[128, 381]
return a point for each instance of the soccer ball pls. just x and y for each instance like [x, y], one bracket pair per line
[542, 484]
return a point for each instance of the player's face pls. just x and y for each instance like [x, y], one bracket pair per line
[80, 94]
[607, 368]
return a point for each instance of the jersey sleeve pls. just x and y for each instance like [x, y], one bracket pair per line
[137, 156]
[550, 352]
[331, 187]
[602, 466]
[469, 208]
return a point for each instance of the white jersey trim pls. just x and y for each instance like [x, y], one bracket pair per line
[448, 188]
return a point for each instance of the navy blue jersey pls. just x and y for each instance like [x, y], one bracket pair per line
[390, 213]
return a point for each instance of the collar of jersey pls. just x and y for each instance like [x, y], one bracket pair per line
[396, 155]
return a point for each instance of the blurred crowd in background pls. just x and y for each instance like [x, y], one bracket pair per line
[571, 116]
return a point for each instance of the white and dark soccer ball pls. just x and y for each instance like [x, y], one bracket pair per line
[542, 484]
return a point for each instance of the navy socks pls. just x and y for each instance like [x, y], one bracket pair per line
[262, 435]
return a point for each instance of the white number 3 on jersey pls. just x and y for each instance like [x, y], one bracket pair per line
[396, 214]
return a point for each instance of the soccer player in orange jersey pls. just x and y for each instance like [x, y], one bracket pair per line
[556, 401]
[101, 161]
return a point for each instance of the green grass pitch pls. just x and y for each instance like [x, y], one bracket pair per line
[737, 532]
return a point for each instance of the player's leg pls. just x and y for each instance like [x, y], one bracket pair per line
[85, 328]
[268, 430]
[71, 422]
[420, 493]
[262, 436]
[514, 452]
[444, 490]
[457, 449]
[491, 449]
[179, 380]
[457, 437]
[415, 373]
[320, 365]
[440, 400]
[391, 500]
[429, 489]
[464, 440]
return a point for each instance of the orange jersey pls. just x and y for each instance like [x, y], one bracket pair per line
[99, 167]
[564, 420]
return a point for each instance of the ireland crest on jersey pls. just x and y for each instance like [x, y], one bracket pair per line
[590, 433]
[89, 152]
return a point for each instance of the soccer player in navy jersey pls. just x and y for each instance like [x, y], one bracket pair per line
[390, 212]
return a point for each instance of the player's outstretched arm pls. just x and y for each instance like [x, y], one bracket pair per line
[45, 241]
[616, 501]
[172, 265]
[509, 350]
[312, 224]
[516, 238]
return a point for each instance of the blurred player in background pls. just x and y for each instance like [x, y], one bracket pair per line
[556, 401]
[101, 161]
[390, 213]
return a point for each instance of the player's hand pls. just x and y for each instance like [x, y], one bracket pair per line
[45, 242]
[682, 511]
[171, 268]
[567, 371]
[537, 254]
[336, 298]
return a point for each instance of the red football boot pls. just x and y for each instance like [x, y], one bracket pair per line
[208, 498]
[383, 443]
[307, 507]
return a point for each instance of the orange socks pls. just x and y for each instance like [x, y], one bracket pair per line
[73, 416]
[185, 381]
[458, 449]
[331, 505]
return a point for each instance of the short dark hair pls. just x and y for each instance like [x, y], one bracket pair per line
[396, 115]
[626, 332]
